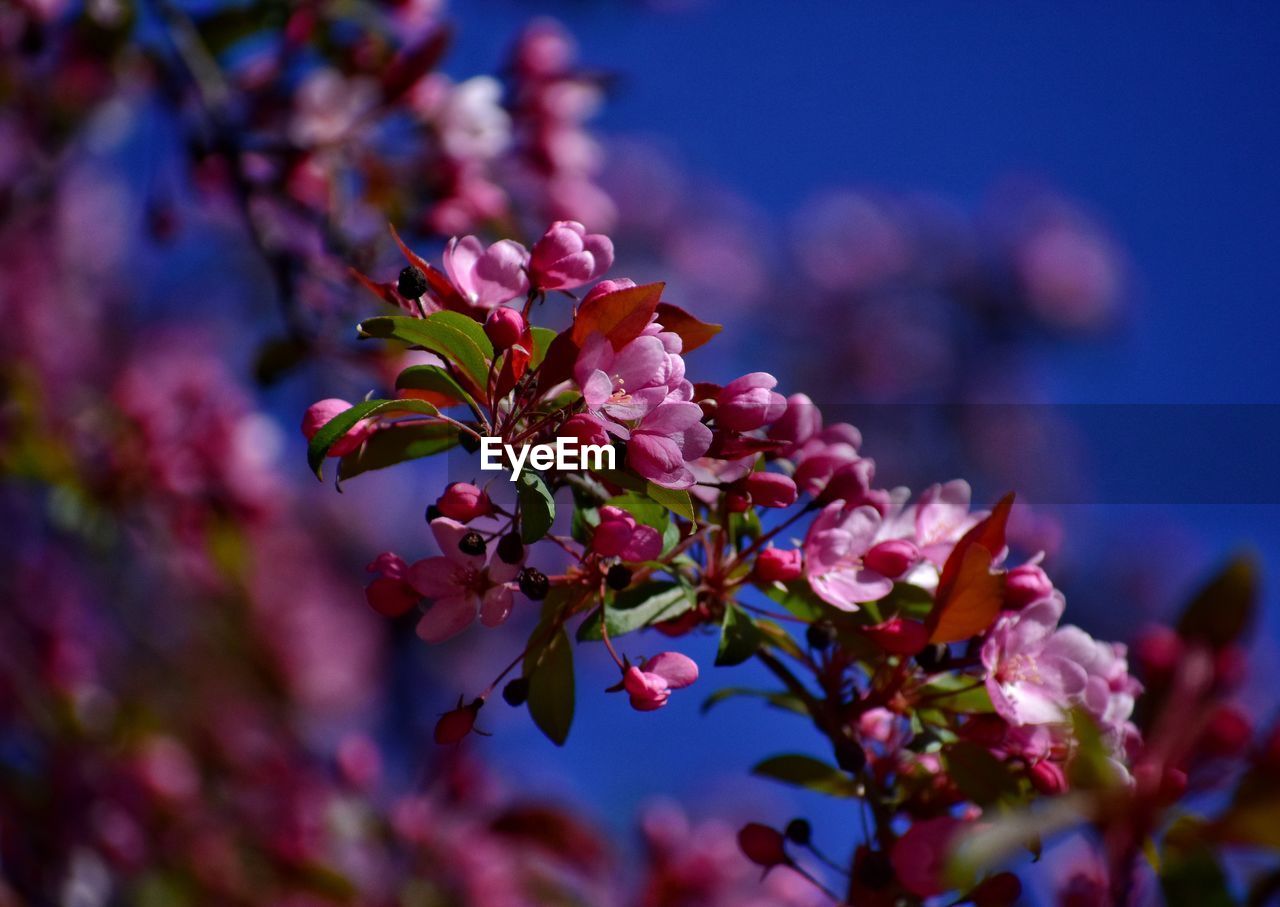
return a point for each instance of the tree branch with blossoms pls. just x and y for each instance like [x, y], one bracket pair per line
[938, 671]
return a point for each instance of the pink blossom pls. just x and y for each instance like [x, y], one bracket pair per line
[664, 443]
[650, 685]
[567, 256]
[771, 489]
[941, 517]
[320, 413]
[460, 585]
[919, 858]
[774, 565]
[487, 277]
[834, 549]
[798, 423]
[625, 384]
[619, 535]
[329, 106]
[1026, 584]
[605, 287]
[749, 402]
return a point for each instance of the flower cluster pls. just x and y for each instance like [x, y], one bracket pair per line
[938, 668]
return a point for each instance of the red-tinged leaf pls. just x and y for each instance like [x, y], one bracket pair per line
[620, 316]
[988, 534]
[412, 63]
[971, 602]
[439, 289]
[385, 291]
[693, 331]
[557, 365]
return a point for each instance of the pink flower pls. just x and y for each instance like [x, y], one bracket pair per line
[771, 489]
[1029, 679]
[605, 287]
[650, 685]
[834, 552]
[487, 277]
[749, 402]
[774, 565]
[460, 585]
[1026, 584]
[567, 256]
[464, 502]
[625, 384]
[799, 422]
[619, 535]
[941, 517]
[667, 439]
[320, 413]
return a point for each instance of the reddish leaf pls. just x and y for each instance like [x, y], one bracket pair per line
[413, 63]
[515, 364]
[385, 291]
[620, 316]
[969, 595]
[438, 286]
[693, 332]
[557, 365]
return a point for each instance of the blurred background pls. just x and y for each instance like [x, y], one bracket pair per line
[1031, 246]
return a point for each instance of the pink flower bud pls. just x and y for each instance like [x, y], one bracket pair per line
[1158, 650]
[749, 402]
[605, 287]
[898, 636]
[464, 502]
[776, 565]
[1227, 732]
[919, 858]
[455, 725]
[799, 422]
[763, 845]
[1047, 777]
[737, 501]
[567, 256]
[620, 535]
[771, 489]
[586, 428]
[892, 558]
[1026, 584]
[322, 412]
[391, 597]
[504, 328]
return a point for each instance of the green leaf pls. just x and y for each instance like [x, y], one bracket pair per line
[1222, 610]
[333, 430]
[433, 379]
[907, 600]
[677, 501]
[807, 772]
[645, 510]
[639, 607]
[959, 693]
[551, 695]
[537, 507]
[798, 598]
[396, 444]
[784, 701]
[1191, 875]
[981, 777]
[739, 637]
[542, 338]
[456, 337]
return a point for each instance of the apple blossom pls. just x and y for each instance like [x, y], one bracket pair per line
[749, 402]
[666, 440]
[460, 585]
[650, 685]
[567, 257]
[834, 552]
[487, 277]
[504, 328]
